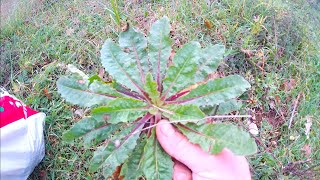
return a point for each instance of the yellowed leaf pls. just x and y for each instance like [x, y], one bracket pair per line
[208, 24]
[307, 150]
[289, 84]
[46, 93]
[278, 101]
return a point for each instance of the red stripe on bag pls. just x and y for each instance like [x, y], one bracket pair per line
[12, 110]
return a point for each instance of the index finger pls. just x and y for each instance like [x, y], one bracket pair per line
[178, 146]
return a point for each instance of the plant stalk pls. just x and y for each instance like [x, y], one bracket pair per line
[176, 96]
[142, 121]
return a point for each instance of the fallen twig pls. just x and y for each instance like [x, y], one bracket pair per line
[293, 110]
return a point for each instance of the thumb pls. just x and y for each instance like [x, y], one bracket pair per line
[178, 146]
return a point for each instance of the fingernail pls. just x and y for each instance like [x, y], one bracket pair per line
[167, 129]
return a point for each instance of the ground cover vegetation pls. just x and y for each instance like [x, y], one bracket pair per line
[274, 45]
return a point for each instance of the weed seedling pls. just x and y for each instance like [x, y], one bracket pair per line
[146, 89]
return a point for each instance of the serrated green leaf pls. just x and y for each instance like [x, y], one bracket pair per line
[151, 88]
[216, 91]
[83, 127]
[214, 137]
[99, 134]
[159, 45]
[115, 152]
[135, 44]
[183, 112]
[120, 65]
[181, 73]
[229, 106]
[131, 168]
[132, 39]
[156, 164]
[76, 91]
[125, 91]
[91, 129]
[223, 108]
[121, 110]
[211, 56]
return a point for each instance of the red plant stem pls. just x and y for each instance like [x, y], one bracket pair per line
[151, 123]
[127, 92]
[157, 117]
[144, 94]
[159, 72]
[139, 65]
[133, 95]
[182, 101]
[189, 129]
[176, 96]
[166, 92]
[146, 97]
[142, 121]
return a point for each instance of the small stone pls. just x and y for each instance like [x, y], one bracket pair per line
[292, 138]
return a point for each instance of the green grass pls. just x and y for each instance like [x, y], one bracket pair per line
[37, 46]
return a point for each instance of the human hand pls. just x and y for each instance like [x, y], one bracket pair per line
[191, 162]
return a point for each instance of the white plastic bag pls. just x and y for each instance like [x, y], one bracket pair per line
[22, 140]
